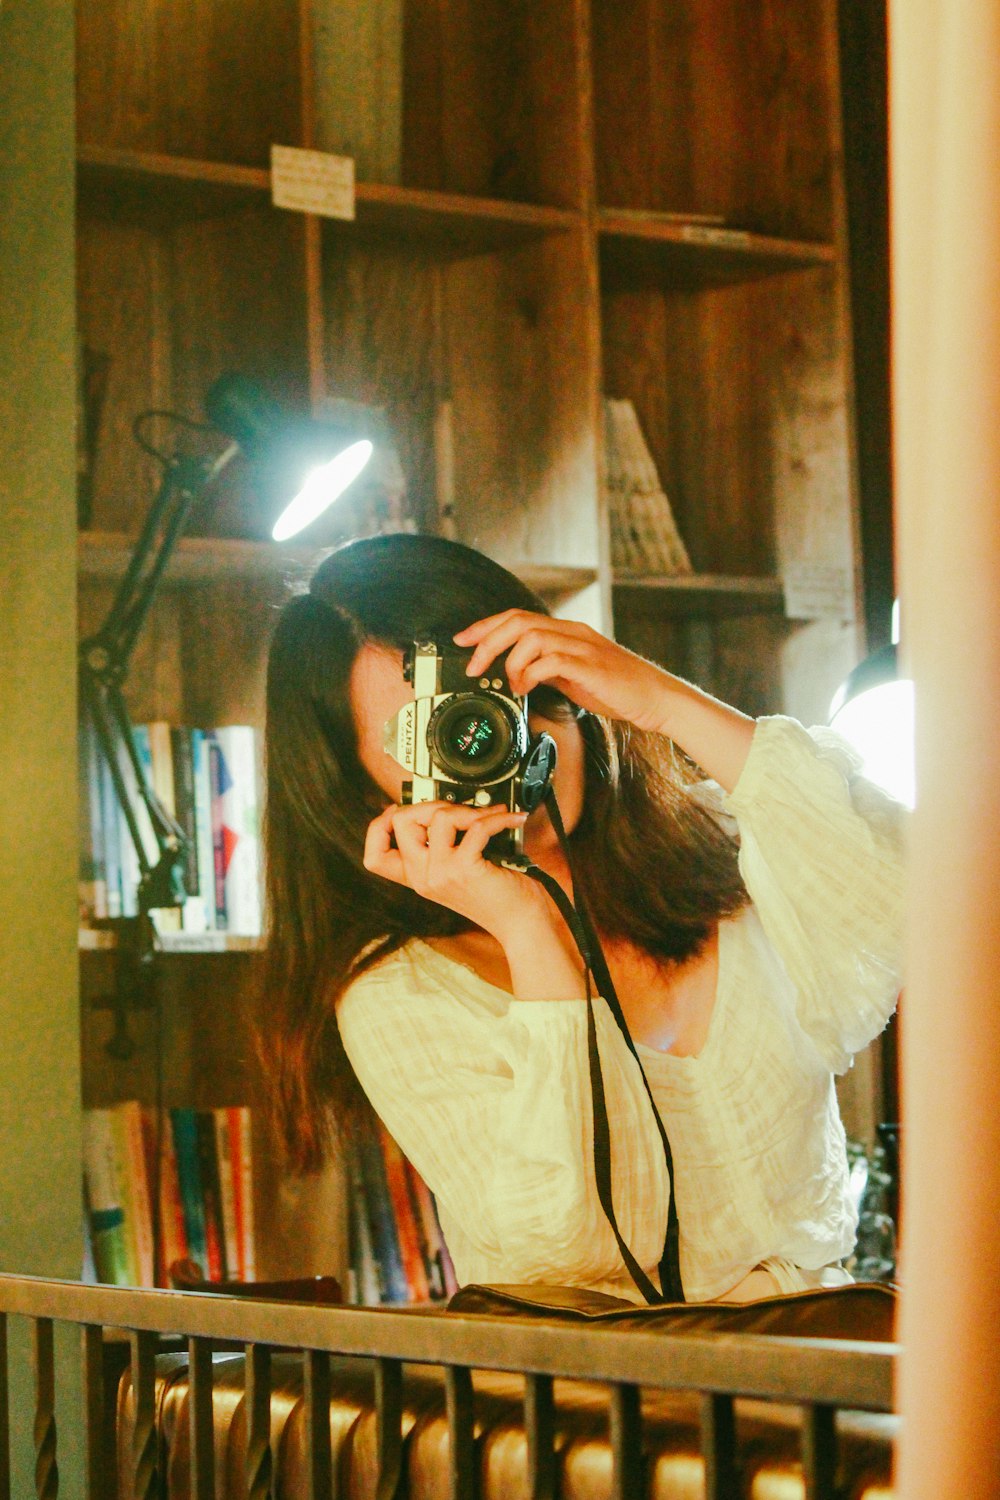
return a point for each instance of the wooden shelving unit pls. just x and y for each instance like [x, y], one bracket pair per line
[582, 199]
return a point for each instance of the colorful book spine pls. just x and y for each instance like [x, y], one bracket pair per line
[185, 811]
[184, 1124]
[382, 1221]
[227, 1194]
[203, 826]
[432, 1240]
[220, 849]
[406, 1225]
[236, 826]
[125, 1196]
[215, 1253]
[109, 816]
[173, 1235]
[128, 1117]
[241, 1140]
[107, 1217]
[366, 1288]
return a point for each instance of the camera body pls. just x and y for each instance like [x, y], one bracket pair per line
[466, 740]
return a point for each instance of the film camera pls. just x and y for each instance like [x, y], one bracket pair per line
[467, 739]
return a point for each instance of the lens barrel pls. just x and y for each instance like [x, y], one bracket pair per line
[476, 737]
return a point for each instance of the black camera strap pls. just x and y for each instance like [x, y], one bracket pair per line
[578, 920]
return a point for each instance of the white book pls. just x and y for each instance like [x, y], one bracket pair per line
[236, 827]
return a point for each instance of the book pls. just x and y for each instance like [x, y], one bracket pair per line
[185, 812]
[644, 534]
[227, 1195]
[137, 1201]
[184, 1125]
[107, 1217]
[235, 827]
[381, 1219]
[407, 1231]
[158, 763]
[202, 785]
[215, 1253]
[365, 1285]
[173, 1235]
[111, 837]
[241, 1146]
[437, 1258]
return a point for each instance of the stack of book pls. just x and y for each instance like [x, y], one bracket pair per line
[205, 1182]
[644, 535]
[397, 1251]
[207, 781]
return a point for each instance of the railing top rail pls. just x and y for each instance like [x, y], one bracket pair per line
[827, 1371]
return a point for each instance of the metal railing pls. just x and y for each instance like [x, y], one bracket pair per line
[821, 1376]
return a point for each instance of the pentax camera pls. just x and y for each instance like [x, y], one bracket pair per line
[467, 739]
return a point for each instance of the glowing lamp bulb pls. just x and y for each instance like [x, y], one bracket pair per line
[321, 487]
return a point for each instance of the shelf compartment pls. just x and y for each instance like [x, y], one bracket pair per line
[699, 594]
[714, 107]
[638, 246]
[151, 188]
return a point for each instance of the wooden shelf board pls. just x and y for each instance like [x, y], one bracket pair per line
[136, 184]
[198, 560]
[692, 252]
[99, 940]
[699, 593]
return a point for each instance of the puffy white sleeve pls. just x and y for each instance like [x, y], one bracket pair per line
[492, 1106]
[822, 856]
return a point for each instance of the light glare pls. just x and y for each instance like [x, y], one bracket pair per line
[879, 724]
[320, 488]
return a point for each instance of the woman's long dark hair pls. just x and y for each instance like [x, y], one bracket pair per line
[652, 865]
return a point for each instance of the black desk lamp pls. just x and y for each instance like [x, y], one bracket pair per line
[304, 465]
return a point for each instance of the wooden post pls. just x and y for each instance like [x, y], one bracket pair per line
[945, 133]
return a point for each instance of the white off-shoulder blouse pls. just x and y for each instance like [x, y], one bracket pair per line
[489, 1096]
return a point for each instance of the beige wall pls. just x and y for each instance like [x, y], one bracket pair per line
[39, 1047]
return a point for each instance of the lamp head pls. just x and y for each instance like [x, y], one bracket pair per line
[873, 710]
[305, 464]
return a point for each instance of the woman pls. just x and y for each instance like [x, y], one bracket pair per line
[750, 921]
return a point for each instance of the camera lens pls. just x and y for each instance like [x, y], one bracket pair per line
[475, 737]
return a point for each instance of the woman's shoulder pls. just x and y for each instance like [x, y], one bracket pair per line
[417, 971]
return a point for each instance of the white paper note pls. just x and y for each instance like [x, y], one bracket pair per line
[818, 591]
[312, 182]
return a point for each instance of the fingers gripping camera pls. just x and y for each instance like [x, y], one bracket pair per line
[467, 740]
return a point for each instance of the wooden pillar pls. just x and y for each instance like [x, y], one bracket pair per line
[40, 1207]
[945, 133]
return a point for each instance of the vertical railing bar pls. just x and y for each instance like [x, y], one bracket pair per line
[4, 1414]
[200, 1419]
[317, 1393]
[258, 1408]
[92, 1351]
[145, 1484]
[819, 1451]
[626, 1443]
[46, 1466]
[539, 1423]
[718, 1447]
[461, 1435]
[389, 1427]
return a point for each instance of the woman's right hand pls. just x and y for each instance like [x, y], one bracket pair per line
[418, 846]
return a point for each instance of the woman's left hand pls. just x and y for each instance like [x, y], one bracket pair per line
[594, 672]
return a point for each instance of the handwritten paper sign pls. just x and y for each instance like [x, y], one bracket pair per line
[312, 182]
[818, 591]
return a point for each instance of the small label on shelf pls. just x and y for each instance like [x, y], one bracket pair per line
[818, 591]
[312, 182]
[725, 239]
